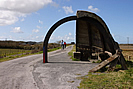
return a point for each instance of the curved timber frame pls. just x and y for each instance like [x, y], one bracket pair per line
[108, 41]
[70, 18]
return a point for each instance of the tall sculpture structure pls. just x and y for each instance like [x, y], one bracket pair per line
[92, 35]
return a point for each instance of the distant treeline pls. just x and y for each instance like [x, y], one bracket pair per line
[15, 44]
[126, 44]
[10, 44]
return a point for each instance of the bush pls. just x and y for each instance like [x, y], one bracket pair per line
[1, 56]
[34, 51]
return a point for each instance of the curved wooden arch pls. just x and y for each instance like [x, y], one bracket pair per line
[87, 16]
[103, 29]
[70, 18]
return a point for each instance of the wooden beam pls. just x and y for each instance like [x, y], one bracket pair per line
[105, 62]
[123, 62]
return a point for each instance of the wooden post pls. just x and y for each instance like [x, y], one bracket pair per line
[129, 57]
[105, 62]
[123, 62]
[90, 38]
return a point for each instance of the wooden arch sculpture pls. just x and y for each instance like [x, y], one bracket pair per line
[91, 32]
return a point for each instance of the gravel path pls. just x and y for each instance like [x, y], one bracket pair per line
[60, 72]
[17, 73]
[30, 73]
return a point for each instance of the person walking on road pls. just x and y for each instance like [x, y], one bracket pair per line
[62, 44]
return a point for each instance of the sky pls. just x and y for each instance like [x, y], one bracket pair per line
[30, 20]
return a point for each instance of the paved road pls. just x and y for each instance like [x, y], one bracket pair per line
[30, 73]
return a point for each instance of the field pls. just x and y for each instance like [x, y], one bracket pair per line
[12, 52]
[118, 79]
[127, 51]
[126, 47]
[9, 54]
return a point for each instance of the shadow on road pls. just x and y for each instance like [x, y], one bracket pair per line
[86, 62]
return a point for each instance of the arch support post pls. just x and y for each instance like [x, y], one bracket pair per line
[45, 55]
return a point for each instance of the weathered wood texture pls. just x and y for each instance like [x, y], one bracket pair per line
[115, 58]
[77, 55]
[92, 32]
[105, 62]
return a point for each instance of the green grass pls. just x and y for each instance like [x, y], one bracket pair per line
[8, 52]
[71, 54]
[114, 80]
[22, 52]
[50, 50]
[10, 58]
[98, 61]
[122, 79]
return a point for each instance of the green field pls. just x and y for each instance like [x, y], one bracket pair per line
[9, 52]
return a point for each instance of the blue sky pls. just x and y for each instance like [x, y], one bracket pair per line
[29, 20]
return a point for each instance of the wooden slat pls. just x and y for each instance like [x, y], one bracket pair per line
[105, 62]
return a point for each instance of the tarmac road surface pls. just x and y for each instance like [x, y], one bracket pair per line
[30, 73]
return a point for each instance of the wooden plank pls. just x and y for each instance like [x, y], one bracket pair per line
[105, 62]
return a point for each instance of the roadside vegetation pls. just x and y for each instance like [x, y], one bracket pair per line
[122, 79]
[71, 54]
[50, 50]
[117, 79]
[12, 49]
[114, 80]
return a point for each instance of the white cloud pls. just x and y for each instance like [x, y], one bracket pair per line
[23, 6]
[7, 17]
[11, 10]
[70, 34]
[37, 37]
[6, 37]
[35, 30]
[10, 37]
[66, 38]
[17, 30]
[68, 9]
[54, 4]
[52, 37]
[2, 37]
[93, 9]
[41, 22]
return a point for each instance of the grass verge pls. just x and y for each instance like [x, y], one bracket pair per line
[114, 80]
[50, 50]
[71, 54]
[18, 56]
[122, 79]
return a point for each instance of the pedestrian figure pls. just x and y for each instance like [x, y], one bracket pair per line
[62, 44]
